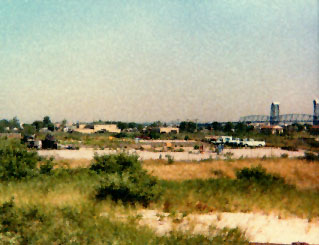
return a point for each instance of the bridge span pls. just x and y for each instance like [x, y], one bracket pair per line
[285, 118]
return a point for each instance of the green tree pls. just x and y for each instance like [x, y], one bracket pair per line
[228, 127]
[217, 126]
[37, 124]
[28, 129]
[122, 125]
[187, 127]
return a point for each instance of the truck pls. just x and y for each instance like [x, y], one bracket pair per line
[252, 143]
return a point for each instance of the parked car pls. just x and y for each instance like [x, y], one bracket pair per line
[252, 143]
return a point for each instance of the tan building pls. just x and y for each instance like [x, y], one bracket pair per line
[112, 128]
[272, 129]
[167, 130]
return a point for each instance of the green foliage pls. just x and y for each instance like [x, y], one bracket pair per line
[196, 147]
[84, 225]
[170, 159]
[16, 162]
[258, 175]
[115, 163]
[187, 127]
[125, 179]
[130, 188]
[28, 129]
[47, 166]
[217, 126]
[228, 127]
[11, 124]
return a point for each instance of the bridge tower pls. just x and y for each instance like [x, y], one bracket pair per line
[274, 113]
[316, 112]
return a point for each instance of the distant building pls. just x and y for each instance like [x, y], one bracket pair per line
[274, 113]
[272, 129]
[314, 130]
[112, 128]
[316, 112]
[89, 129]
[167, 130]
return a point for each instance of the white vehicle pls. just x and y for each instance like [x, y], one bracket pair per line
[223, 140]
[234, 142]
[252, 143]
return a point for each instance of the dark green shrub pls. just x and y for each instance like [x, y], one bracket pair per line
[257, 175]
[47, 166]
[196, 147]
[16, 162]
[130, 188]
[125, 179]
[115, 163]
[284, 155]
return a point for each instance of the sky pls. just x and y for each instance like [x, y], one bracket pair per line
[149, 60]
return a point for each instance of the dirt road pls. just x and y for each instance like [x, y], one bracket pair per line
[88, 153]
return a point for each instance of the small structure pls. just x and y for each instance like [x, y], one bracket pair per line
[314, 130]
[167, 130]
[89, 129]
[49, 142]
[272, 129]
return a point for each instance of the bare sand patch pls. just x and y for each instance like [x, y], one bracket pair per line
[257, 227]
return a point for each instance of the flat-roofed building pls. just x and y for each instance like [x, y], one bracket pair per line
[167, 130]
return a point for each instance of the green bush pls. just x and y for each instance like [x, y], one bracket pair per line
[47, 166]
[125, 179]
[16, 162]
[115, 163]
[130, 188]
[257, 175]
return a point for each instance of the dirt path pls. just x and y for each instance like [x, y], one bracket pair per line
[88, 153]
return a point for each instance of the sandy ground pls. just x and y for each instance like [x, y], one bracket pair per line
[88, 153]
[257, 227]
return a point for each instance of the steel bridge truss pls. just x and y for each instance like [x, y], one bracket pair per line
[286, 118]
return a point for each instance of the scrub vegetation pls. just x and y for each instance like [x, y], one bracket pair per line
[42, 201]
[65, 206]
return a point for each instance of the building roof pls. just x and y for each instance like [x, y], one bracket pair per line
[271, 127]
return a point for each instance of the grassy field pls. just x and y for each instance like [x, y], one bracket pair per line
[61, 206]
[302, 173]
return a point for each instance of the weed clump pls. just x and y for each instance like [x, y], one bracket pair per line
[311, 157]
[125, 180]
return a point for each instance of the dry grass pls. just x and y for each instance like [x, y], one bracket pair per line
[73, 163]
[301, 173]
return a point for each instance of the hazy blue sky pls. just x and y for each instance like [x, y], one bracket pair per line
[157, 59]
